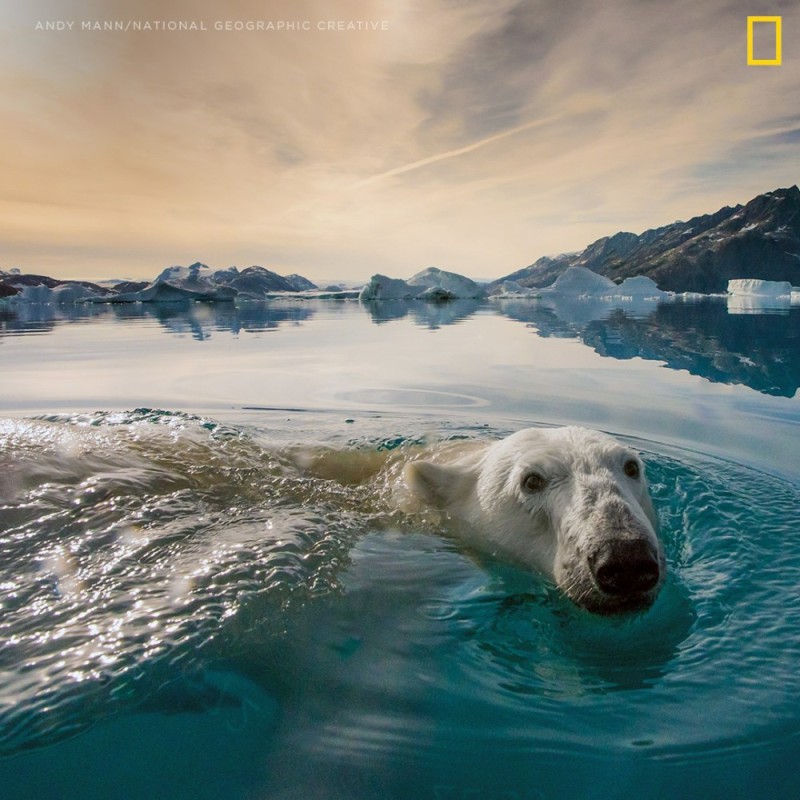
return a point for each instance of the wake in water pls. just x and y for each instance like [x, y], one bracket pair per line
[133, 546]
[142, 551]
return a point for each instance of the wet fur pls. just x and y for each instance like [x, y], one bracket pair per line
[586, 501]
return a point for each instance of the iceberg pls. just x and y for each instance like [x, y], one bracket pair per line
[512, 289]
[752, 287]
[431, 285]
[457, 286]
[381, 287]
[436, 295]
[753, 296]
[582, 294]
[639, 286]
[583, 282]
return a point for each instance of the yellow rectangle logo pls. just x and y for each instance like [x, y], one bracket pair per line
[764, 62]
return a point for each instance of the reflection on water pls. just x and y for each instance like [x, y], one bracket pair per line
[427, 315]
[181, 600]
[758, 350]
[155, 561]
[196, 319]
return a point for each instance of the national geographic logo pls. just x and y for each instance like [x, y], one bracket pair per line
[770, 41]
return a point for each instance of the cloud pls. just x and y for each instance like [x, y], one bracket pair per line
[475, 135]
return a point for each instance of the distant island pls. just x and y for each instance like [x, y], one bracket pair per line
[196, 282]
[747, 245]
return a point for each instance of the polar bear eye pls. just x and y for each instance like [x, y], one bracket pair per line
[533, 482]
[631, 468]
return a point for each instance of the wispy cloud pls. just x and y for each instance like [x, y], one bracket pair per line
[459, 151]
[477, 135]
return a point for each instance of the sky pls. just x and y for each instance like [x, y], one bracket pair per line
[471, 135]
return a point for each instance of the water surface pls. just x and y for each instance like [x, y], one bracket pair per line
[187, 614]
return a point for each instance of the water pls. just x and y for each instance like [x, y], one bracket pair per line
[186, 613]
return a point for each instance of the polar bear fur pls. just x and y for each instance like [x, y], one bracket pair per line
[570, 503]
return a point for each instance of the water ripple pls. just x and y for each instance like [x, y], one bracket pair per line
[139, 553]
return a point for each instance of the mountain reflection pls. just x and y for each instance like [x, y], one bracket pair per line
[761, 351]
[424, 314]
[199, 320]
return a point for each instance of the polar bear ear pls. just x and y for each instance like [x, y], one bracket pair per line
[437, 485]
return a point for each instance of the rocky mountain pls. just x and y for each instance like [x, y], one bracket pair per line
[173, 284]
[758, 240]
[44, 289]
[300, 283]
[253, 281]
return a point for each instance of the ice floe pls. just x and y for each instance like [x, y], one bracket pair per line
[752, 296]
[752, 287]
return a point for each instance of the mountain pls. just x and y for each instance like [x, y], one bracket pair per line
[758, 240]
[300, 283]
[254, 281]
[173, 284]
[251, 281]
[44, 289]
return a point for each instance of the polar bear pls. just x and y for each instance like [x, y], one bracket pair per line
[570, 503]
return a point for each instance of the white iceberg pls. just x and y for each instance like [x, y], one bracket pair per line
[753, 296]
[582, 282]
[752, 287]
[639, 286]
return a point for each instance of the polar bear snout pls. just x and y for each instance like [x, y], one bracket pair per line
[623, 567]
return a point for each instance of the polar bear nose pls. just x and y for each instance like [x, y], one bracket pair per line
[625, 566]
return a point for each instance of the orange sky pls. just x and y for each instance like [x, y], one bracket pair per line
[475, 136]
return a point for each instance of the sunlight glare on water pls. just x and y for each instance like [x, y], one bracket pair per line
[180, 598]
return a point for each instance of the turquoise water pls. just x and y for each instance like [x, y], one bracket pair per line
[186, 614]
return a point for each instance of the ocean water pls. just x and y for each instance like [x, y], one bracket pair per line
[187, 613]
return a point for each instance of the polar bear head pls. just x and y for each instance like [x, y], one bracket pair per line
[570, 502]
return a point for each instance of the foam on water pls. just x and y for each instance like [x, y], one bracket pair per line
[167, 563]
